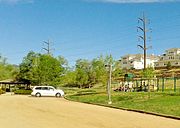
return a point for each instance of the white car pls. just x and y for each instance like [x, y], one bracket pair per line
[39, 91]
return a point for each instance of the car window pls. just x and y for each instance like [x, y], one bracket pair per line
[38, 88]
[50, 88]
[44, 88]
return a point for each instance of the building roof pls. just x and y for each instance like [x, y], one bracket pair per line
[139, 56]
[173, 49]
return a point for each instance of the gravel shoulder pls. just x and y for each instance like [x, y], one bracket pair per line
[47, 112]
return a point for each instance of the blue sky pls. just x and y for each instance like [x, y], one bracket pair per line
[86, 28]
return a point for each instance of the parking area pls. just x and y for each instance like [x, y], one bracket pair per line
[48, 112]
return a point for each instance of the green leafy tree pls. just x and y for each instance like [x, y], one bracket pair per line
[117, 71]
[148, 73]
[69, 79]
[109, 60]
[89, 73]
[82, 73]
[99, 72]
[48, 70]
[40, 69]
[27, 66]
[65, 71]
[63, 62]
[169, 66]
[7, 71]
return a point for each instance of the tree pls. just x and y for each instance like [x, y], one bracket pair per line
[69, 79]
[27, 67]
[99, 73]
[117, 71]
[148, 73]
[63, 62]
[82, 73]
[40, 69]
[89, 73]
[8, 71]
[65, 70]
[109, 60]
[169, 66]
[48, 70]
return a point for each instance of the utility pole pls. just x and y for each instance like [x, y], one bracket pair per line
[47, 49]
[143, 37]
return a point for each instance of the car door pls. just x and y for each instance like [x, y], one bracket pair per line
[44, 91]
[51, 91]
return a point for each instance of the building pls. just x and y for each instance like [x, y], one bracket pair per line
[171, 56]
[136, 61]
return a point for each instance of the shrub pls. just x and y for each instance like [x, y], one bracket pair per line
[1, 91]
[23, 92]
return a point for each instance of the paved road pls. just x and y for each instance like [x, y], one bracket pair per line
[30, 112]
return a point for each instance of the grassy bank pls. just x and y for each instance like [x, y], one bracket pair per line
[162, 103]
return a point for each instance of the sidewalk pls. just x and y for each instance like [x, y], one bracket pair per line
[8, 94]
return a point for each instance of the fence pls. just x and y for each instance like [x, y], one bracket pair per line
[169, 84]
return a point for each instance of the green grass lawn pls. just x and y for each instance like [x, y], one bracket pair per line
[162, 103]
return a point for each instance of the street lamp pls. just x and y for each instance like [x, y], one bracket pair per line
[109, 83]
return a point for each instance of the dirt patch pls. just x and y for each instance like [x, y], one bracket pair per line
[31, 112]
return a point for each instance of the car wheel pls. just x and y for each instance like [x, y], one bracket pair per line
[38, 95]
[58, 95]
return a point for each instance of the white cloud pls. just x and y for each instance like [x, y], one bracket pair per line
[16, 1]
[133, 1]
